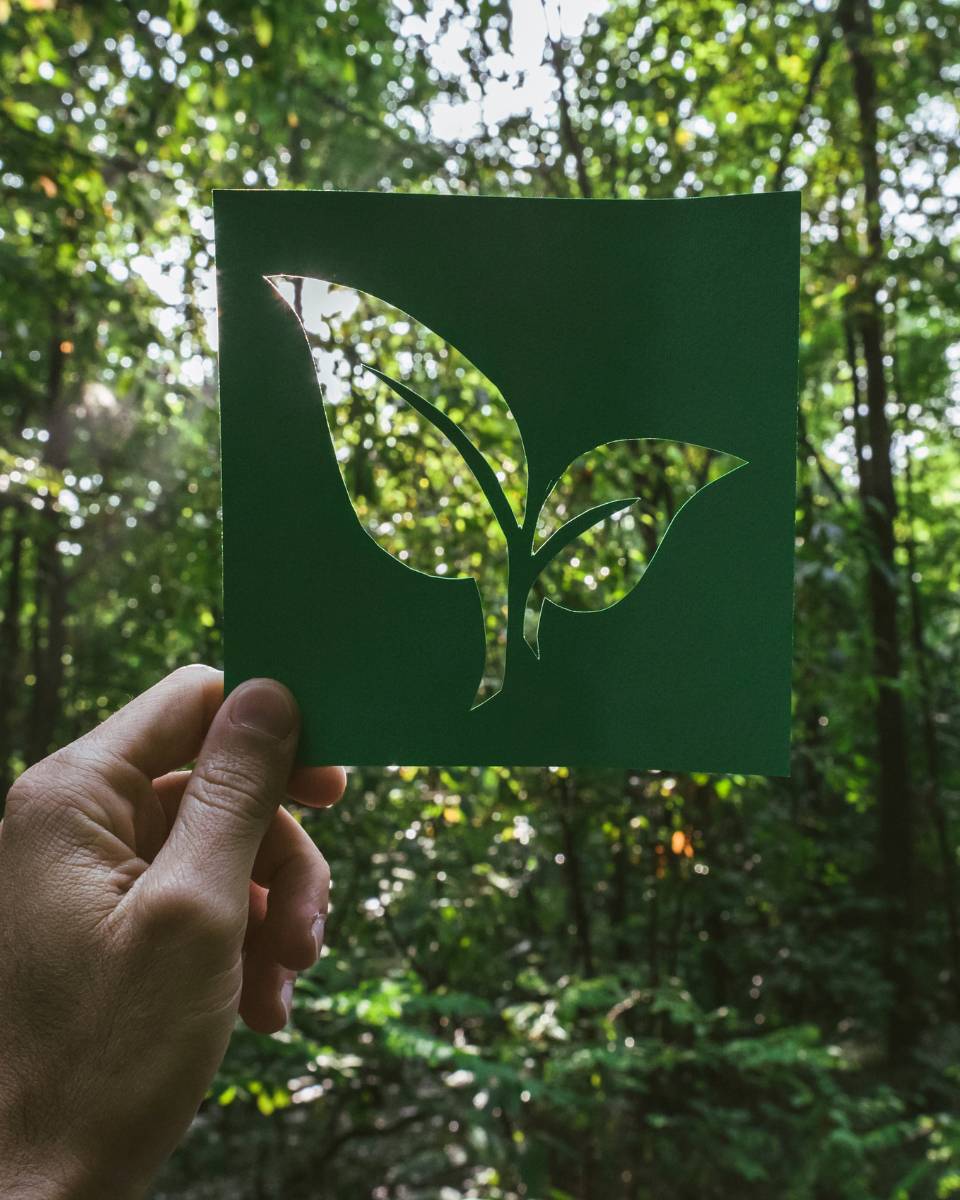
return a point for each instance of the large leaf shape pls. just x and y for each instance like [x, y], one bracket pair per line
[429, 453]
[351, 332]
[606, 516]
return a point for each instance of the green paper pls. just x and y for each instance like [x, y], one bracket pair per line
[571, 382]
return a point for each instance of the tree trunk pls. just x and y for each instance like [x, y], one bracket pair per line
[618, 907]
[894, 791]
[51, 580]
[932, 788]
[573, 873]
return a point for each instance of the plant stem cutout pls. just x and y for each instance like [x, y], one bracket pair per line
[434, 464]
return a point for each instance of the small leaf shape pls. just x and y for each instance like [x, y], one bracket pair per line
[606, 516]
[430, 455]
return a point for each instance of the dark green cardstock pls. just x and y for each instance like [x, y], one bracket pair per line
[598, 321]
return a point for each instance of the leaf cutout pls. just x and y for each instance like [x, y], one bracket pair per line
[417, 431]
[349, 330]
[433, 463]
[605, 518]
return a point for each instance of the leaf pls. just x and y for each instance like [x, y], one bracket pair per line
[429, 453]
[183, 15]
[607, 515]
[22, 111]
[262, 27]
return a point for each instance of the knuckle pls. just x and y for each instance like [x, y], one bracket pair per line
[48, 789]
[308, 864]
[53, 802]
[175, 906]
[75, 778]
[180, 912]
[39, 811]
[29, 789]
[93, 763]
[231, 789]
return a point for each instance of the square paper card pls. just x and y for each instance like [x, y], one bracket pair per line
[512, 481]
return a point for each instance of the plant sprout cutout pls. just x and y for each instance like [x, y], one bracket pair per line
[434, 465]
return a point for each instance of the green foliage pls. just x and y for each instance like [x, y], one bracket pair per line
[537, 984]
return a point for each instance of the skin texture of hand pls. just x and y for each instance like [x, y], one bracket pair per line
[141, 908]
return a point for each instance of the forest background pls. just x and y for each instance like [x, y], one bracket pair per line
[542, 983]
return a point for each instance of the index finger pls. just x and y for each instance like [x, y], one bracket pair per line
[317, 787]
[164, 727]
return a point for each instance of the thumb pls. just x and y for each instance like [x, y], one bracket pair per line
[232, 795]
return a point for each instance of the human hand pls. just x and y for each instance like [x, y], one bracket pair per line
[142, 907]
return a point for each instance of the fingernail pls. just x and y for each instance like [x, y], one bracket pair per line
[265, 708]
[286, 997]
[317, 928]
